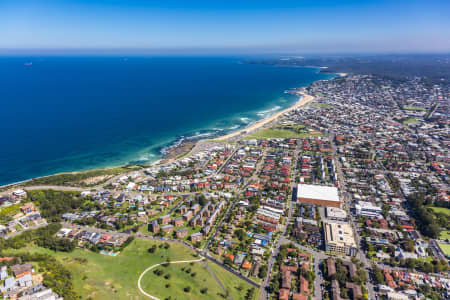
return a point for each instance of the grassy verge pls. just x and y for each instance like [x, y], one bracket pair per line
[414, 108]
[445, 234]
[323, 105]
[234, 285]
[445, 248]
[441, 210]
[410, 121]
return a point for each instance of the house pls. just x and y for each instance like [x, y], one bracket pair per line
[155, 226]
[298, 296]
[27, 208]
[182, 209]
[167, 228]
[182, 233]
[164, 220]
[335, 290]
[239, 259]
[331, 267]
[304, 286]
[285, 279]
[25, 281]
[195, 237]
[246, 265]
[8, 284]
[400, 253]
[284, 294]
[195, 208]
[178, 221]
[19, 193]
[104, 238]
[351, 268]
[22, 270]
[188, 215]
[355, 290]
[230, 256]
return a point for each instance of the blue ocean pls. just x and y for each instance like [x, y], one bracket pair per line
[75, 113]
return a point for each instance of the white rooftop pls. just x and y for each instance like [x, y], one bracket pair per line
[320, 192]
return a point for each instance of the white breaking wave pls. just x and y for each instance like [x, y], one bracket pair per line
[146, 157]
[266, 112]
[199, 135]
[244, 120]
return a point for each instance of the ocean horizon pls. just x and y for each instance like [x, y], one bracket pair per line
[63, 114]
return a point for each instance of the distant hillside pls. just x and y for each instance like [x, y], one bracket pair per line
[433, 66]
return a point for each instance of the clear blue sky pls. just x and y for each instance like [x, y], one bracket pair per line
[246, 26]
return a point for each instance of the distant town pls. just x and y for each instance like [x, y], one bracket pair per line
[345, 197]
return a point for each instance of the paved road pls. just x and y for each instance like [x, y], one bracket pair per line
[26, 229]
[263, 290]
[317, 258]
[361, 253]
[230, 208]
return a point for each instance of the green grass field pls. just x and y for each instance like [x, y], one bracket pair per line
[445, 234]
[445, 248]
[104, 277]
[235, 286]
[323, 105]
[414, 108]
[441, 210]
[410, 121]
[270, 133]
[181, 278]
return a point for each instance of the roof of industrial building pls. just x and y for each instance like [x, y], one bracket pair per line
[320, 192]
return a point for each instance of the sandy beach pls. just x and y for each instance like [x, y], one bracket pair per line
[305, 99]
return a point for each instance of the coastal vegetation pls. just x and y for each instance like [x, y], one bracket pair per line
[7, 213]
[52, 204]
[83, 178]
[43, 237]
